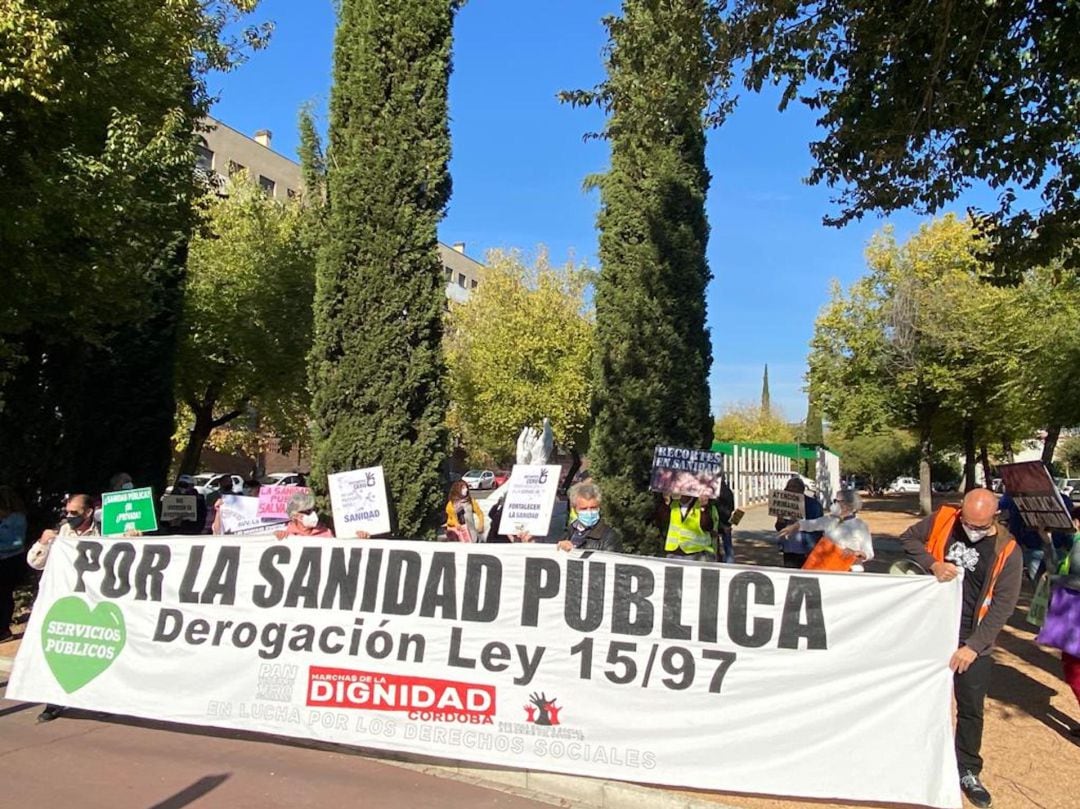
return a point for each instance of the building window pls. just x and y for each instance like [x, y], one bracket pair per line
[473, 284]
[267, 185]
[235, 168]
[449, 274]
[461, 280]
[204, 158]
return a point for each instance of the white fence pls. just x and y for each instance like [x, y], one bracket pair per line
[754, 473]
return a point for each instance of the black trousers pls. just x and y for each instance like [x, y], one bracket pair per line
[794, 560]
[12, 572]
[970, 689]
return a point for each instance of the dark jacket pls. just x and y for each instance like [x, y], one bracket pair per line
[980, 635]
[601, 537]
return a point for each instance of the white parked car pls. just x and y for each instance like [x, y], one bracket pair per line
[285, 479]
[206, 482]
[479, 479]
[904, 486]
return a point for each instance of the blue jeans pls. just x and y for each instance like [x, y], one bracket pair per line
[729, 550]
[1033, 561]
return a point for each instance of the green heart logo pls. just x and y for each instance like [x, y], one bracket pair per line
[80, 643]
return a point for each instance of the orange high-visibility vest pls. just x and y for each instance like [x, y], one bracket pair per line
[942, 528]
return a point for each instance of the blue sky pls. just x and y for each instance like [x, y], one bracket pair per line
[519, 161]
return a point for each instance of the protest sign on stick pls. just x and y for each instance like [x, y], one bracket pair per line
[128, 510]
[178, 507]
[693, 472]
[274, 499]
[240, 515]
[358, 499]
[787, 505]
[1036, 495]
[530, 499]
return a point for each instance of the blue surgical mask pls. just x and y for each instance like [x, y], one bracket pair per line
[589, 517]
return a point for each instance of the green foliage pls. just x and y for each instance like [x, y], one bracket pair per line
[653, 352]
[918, 101]
[766, 399]
[247, 319]
[813, 431]
[98, 102]
[1068, 457]
[750, 423]
[377, 366]
[518, 350]
[878, 457]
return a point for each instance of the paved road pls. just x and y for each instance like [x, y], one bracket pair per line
[90, 760]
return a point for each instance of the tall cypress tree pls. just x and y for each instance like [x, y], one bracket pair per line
[766, 399]
[377, 365]
[653, 350]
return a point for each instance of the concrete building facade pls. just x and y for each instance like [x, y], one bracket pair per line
[224, 151]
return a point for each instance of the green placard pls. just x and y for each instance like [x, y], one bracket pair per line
[131, 508]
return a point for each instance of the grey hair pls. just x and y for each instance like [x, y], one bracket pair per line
[586, 490]
[850, 497]
[301, 501]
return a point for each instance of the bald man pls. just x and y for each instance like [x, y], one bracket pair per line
[971, 538]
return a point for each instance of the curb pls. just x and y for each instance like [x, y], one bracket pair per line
[571, 791]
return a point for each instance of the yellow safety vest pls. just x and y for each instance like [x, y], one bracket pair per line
[687, 535]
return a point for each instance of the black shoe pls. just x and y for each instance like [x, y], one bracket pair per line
[6, 634]
[974, 790]
[50, 713]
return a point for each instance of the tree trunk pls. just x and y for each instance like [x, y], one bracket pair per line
[926, 452]
[200, 431]
[1050, 444]
[988, 475]
[969, 455]
[1007, 449]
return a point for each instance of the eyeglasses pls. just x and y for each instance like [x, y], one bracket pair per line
[986, 527]
[305, 511]
[73, 513]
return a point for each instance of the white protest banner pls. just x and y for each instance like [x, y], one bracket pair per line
[179, 507]
[785, 682]
[1036, 496]
[240, 515]
[693, 472]
[787, 505]
[274, 499]
[530, 499]
[358, 500]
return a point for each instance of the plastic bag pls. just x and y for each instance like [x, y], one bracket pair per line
[1036, 613]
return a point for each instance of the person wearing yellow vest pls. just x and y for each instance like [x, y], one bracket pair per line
[972, 539]
[687, 524]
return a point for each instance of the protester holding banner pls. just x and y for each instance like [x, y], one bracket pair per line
[588, 531]
[687, 525]
[464, 518]
[972, 538]
[841, 531]
[12, 539]
[725, 508]
[1061, 627]
[303, 518]
[78, 522]
[796, 545]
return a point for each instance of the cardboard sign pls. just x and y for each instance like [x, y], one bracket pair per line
[128, 509]
[787, 505]
[359, 502]
[240, 515]
[530, 498]
[179, 507]
[1036, 495]
[273, 499]
[692, 472]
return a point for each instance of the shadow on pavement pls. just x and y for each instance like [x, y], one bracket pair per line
[192, 793]
[24, 706]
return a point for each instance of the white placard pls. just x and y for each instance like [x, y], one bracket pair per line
[240, 515]
[358, 499]
[530, 498]
[830, 686]
[179, 507]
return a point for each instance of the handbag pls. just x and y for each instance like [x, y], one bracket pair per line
[1036, 613]
[827, 555]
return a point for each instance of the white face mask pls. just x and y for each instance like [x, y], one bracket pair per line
[310, 520]
[976, 534]
[834, 509]
[127, 486]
